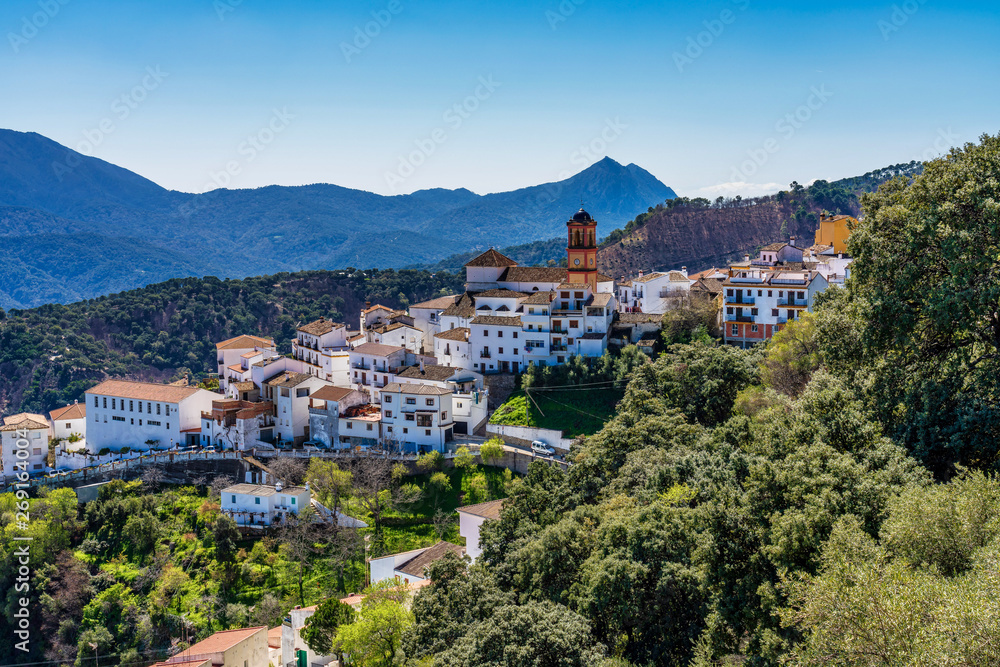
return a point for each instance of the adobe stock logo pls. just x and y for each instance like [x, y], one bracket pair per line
[701, 42]
[31, 25]
[363, 35]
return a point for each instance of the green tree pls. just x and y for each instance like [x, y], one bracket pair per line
[538, 634]
[492, 451]
[926, 281]
[374, 638]
[464, 459]
[321, 628]
[793, 355]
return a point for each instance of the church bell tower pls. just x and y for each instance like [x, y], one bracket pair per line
[581, 252]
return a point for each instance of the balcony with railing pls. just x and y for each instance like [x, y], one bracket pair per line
[485, 355]
[794, 303]
[739, 318]
[740, 298]
[558, 348]
[361, 366]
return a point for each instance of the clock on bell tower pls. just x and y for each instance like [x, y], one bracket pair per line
[581, 252]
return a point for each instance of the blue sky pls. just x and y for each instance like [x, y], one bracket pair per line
[197, 93]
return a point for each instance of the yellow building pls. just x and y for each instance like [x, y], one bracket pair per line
[834, 230]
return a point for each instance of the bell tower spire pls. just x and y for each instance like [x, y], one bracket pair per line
[581, 250]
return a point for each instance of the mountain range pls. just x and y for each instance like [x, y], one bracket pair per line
[74, 227]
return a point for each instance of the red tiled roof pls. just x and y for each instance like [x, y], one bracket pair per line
[439, 303]
[75, 411]
[222, 641]
[416, 565]
[147, 391]
[491, 258]
[487, 510]
[331, 393]
[245, 341]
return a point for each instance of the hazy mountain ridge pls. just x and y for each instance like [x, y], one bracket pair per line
[46, 189]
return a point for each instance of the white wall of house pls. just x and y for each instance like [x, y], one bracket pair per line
[468, 527]
[421, 419]
[270, 501]
[67, 427]
[291, 408]
[116, 422]
[28, 445]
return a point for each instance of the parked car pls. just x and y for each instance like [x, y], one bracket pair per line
[539, 447]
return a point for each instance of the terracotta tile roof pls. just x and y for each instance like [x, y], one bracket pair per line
[417, 389]
[30, 424]
[710, 285]
[191, 662]
[146, 391]
[377, 306]
[274, 637]
[649, 276]
[678, 277]
[463, 307]
[24, 416]
[221, 641]
[250, 354]
[245, 386]
[600, 299]
[623, 283]
[640, 318]
[533, 274]
[603, 278]
[244, 341]
[439, 303]
[487, 510]
[540, 298]
[355, 337]
[75, 411]
[288, 379]
[331, 393]
[459, 334]
[593, 336]
[392, 327]
[415, 566]
[432, 372]
[491, 258]
[774, 247]
[497, 321]
[320, 327]
[502, 293]
[236, 367]
[377, 349]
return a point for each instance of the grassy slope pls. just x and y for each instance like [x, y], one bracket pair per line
[574, 412]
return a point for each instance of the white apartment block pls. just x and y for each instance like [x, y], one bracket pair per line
[290, 392]
[122, 413]
[417, 416]
[452, 347]
[372, 364]
[427, 317]
[261, 504]
[323, 347]
[469, 395]
[230, 353]
[758, 302]
[24, 444]
[654, 292]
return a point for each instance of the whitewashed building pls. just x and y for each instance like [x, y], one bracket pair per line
[229, 353]
[452, 347]
[122, 413]
[261, 504]
[327, 406]
[410, 566]
[323, 347]
[470, 520]
[420, 417]
[427, 317]
[69, 420]
[372, 364]
[24, 444]
[290, 393]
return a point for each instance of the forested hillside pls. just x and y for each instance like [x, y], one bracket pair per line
[701, 234]
[50, 355]
[152, 233]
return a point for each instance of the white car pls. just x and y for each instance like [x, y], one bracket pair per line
[540, 447]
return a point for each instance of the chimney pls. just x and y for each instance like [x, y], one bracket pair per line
[640, 273]
[75, 401]
[684, 270]
[791, 241]
[746, 258]
[368, 304]
[822, 217]
[421, 364]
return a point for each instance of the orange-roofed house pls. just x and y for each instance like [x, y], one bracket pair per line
[471, 519]
[230, 352]
[69, 420]
[122, 413]
[24, 444]
[246, 647]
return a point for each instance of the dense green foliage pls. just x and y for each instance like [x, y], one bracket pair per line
[50, 355]
[779, 506]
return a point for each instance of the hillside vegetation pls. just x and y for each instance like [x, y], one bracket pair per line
[50, 355]
[151, 234]
[701, 234]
